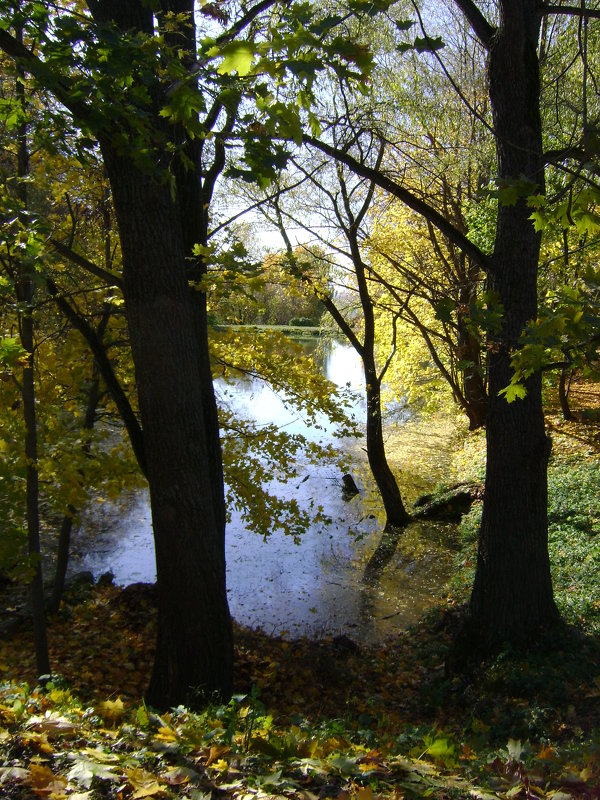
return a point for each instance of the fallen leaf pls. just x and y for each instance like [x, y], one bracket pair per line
[166, 734]
[53, 725]
[85, 770]
[144, 784]
[13, 774]
[215, 753]
[178, 776]
[44, 782]
[546, 753]
[112, 709]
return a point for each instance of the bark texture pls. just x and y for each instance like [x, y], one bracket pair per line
[512, 593]
[168, 333]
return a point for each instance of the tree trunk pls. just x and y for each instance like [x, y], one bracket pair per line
[169, 342]
[564, 383]
[194, 656]
[24, 290]
[512, 593]
[474, 391]
[396, 514]
[64, 538]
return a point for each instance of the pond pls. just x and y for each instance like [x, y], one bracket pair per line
[343, 578]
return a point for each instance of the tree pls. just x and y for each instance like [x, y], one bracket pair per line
[438, 292]
[512, 593]
[160, 105]
[343, 204]
[194, 650]
[21, 250]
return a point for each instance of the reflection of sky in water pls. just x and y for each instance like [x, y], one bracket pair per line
[254, 399]
[312, 588]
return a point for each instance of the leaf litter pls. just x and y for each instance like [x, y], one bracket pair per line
[312, 719]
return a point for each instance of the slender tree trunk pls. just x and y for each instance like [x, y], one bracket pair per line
[563, 394]
[25, 297]
[512, 593]
[64, 538]
[395, 512]
[474, 390]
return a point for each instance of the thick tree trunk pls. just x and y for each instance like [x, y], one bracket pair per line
[512, 593]
[194, 656]
[194, 653]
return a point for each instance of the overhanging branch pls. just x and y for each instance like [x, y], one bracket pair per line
[110, 278]
[406, 197]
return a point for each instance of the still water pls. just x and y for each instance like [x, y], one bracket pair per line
[344, 577]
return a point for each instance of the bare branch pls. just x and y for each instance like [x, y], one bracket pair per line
[570, 11]
[110, 278]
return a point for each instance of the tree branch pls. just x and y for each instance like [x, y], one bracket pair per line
[571, 11]
[406, 197]
[58, 85]
[109, 277]
[136, 435]
[481, 27]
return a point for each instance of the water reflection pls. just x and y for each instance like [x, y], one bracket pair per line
[343, 578]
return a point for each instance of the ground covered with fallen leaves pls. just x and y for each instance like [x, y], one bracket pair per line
[413, 717]
[312, 720]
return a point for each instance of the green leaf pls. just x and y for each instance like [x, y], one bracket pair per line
[237, 57]
[11, 351]
[444, 309]
[587, 222]
[428, 44]
[513, 392]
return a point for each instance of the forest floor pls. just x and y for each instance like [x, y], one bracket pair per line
[312, 719]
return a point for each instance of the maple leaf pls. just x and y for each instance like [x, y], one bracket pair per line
[44, 782]
[112, 709]
[144, 784]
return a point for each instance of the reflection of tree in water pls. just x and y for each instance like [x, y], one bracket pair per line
[319, 349]
[383, 553]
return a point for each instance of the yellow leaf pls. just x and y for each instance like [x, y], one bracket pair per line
[221, 765]
[44, 782]
[215, 753]
[144, 784]
[112, 709]
[39, 741]
[100, 755]
[178, 776]
[546, 753]
[166, 735]
[364, 793]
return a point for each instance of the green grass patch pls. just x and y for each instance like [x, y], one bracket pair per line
[573, 542]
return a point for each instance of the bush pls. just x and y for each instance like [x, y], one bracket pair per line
[301, 322]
